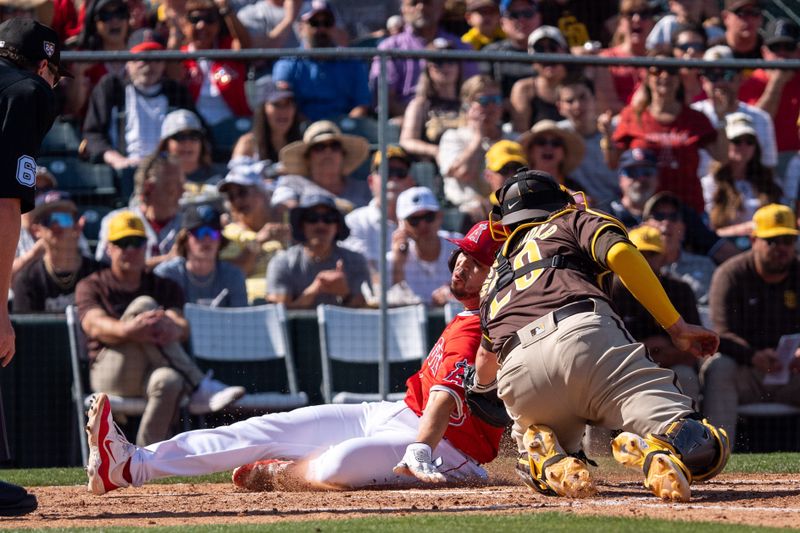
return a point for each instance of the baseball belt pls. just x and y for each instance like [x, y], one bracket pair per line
[581, 306]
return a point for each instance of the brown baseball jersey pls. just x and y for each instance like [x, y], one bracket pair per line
[583, 236]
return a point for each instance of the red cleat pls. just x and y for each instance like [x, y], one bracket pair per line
[260, 475]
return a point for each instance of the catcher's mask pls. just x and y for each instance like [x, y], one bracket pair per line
[530, 196]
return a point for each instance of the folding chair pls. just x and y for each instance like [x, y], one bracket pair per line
[225, 338]
[350, 337]
[84, 181]
[225, 134]
[79, 359]
[63, 139]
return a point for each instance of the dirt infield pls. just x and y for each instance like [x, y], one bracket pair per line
[767, 500]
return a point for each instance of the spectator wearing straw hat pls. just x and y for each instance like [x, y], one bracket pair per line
[317, 270]
[324, 88]
[554, 150]
[321, 164]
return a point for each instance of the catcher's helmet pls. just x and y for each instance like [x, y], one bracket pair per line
[530, 195]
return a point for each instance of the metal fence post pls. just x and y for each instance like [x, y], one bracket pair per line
[383, 119]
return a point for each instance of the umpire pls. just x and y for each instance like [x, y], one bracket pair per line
[30, 67]
[562, 358]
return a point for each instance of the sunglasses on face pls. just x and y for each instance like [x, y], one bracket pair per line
[428, 217]
[643, 13]
[782, 47]
[207, 17]
[546, 46]
[398, 173]
[690, 47]
[329, 145]
[488, 99]
[206, 232]
[656, 71]
[62, 220]
[637, 173]
[672, 216]
[121, 13]
[127, 243]
[747, 13]
[328, 217]
[744, 140]
[321, 22]
[783, 240]
[553, 142]
[509, 170]
[716, 75]
[522, 14]
[187, 136]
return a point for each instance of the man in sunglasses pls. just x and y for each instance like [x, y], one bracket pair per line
[365, 222]
[518, 19]
[666, 212]
[323, 88]
[753, 304]
[722, 87]
[30, 66]
[317, 270]
[48, 284]
[134, 327]
[419, 248]
[775, 91]
[638, 180]
[742, 20]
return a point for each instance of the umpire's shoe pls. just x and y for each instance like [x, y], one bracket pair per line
[549, 469]
[664, 474]
[15, 501]
[109, 451]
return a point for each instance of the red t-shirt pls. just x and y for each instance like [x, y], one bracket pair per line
[626, 79]
[443, 370]
[676, 145]
[785, 119]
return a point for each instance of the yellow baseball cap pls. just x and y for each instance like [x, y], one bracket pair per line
[774, 220]
[647, 239]
[392, 151]
[504, 152]
[125, 224]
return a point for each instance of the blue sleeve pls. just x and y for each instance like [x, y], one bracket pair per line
[236, 285]
[360, 95]
[282, 70]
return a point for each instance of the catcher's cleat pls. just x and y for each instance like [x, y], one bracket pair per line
[260, 475]
[549, 469]
[109, 450]
[664, 473]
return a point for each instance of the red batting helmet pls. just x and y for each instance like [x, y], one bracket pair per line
[478, 244]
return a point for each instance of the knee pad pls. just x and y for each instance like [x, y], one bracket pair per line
[702, 448]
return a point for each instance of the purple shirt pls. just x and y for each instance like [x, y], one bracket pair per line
[402, 73]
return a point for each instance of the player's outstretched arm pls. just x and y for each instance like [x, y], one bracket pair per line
[696, 340]
[418, 459]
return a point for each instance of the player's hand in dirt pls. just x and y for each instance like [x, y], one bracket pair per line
[418, 462]
[694, 339]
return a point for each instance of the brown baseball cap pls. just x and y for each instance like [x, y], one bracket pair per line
[733, 5]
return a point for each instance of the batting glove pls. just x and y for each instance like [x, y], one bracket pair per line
[418, 462]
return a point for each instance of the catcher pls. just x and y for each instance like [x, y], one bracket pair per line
[550, 334]
[335, 446]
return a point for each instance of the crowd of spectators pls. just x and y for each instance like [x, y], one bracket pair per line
[703, 165]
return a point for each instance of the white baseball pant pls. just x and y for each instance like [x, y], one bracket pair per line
[347, 446]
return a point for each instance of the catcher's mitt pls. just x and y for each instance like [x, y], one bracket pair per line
[483, 401]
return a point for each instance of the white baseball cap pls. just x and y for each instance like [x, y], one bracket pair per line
[178, 121]
[414, 200]
[546, 32]
[718, 52]
[738, 124]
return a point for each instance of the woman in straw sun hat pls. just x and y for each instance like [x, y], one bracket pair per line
[554, 150]
[321, 164]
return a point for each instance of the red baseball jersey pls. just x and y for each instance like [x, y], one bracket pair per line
[443, 370]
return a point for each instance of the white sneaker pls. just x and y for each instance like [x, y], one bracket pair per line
[212, 395]
[109, 450]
